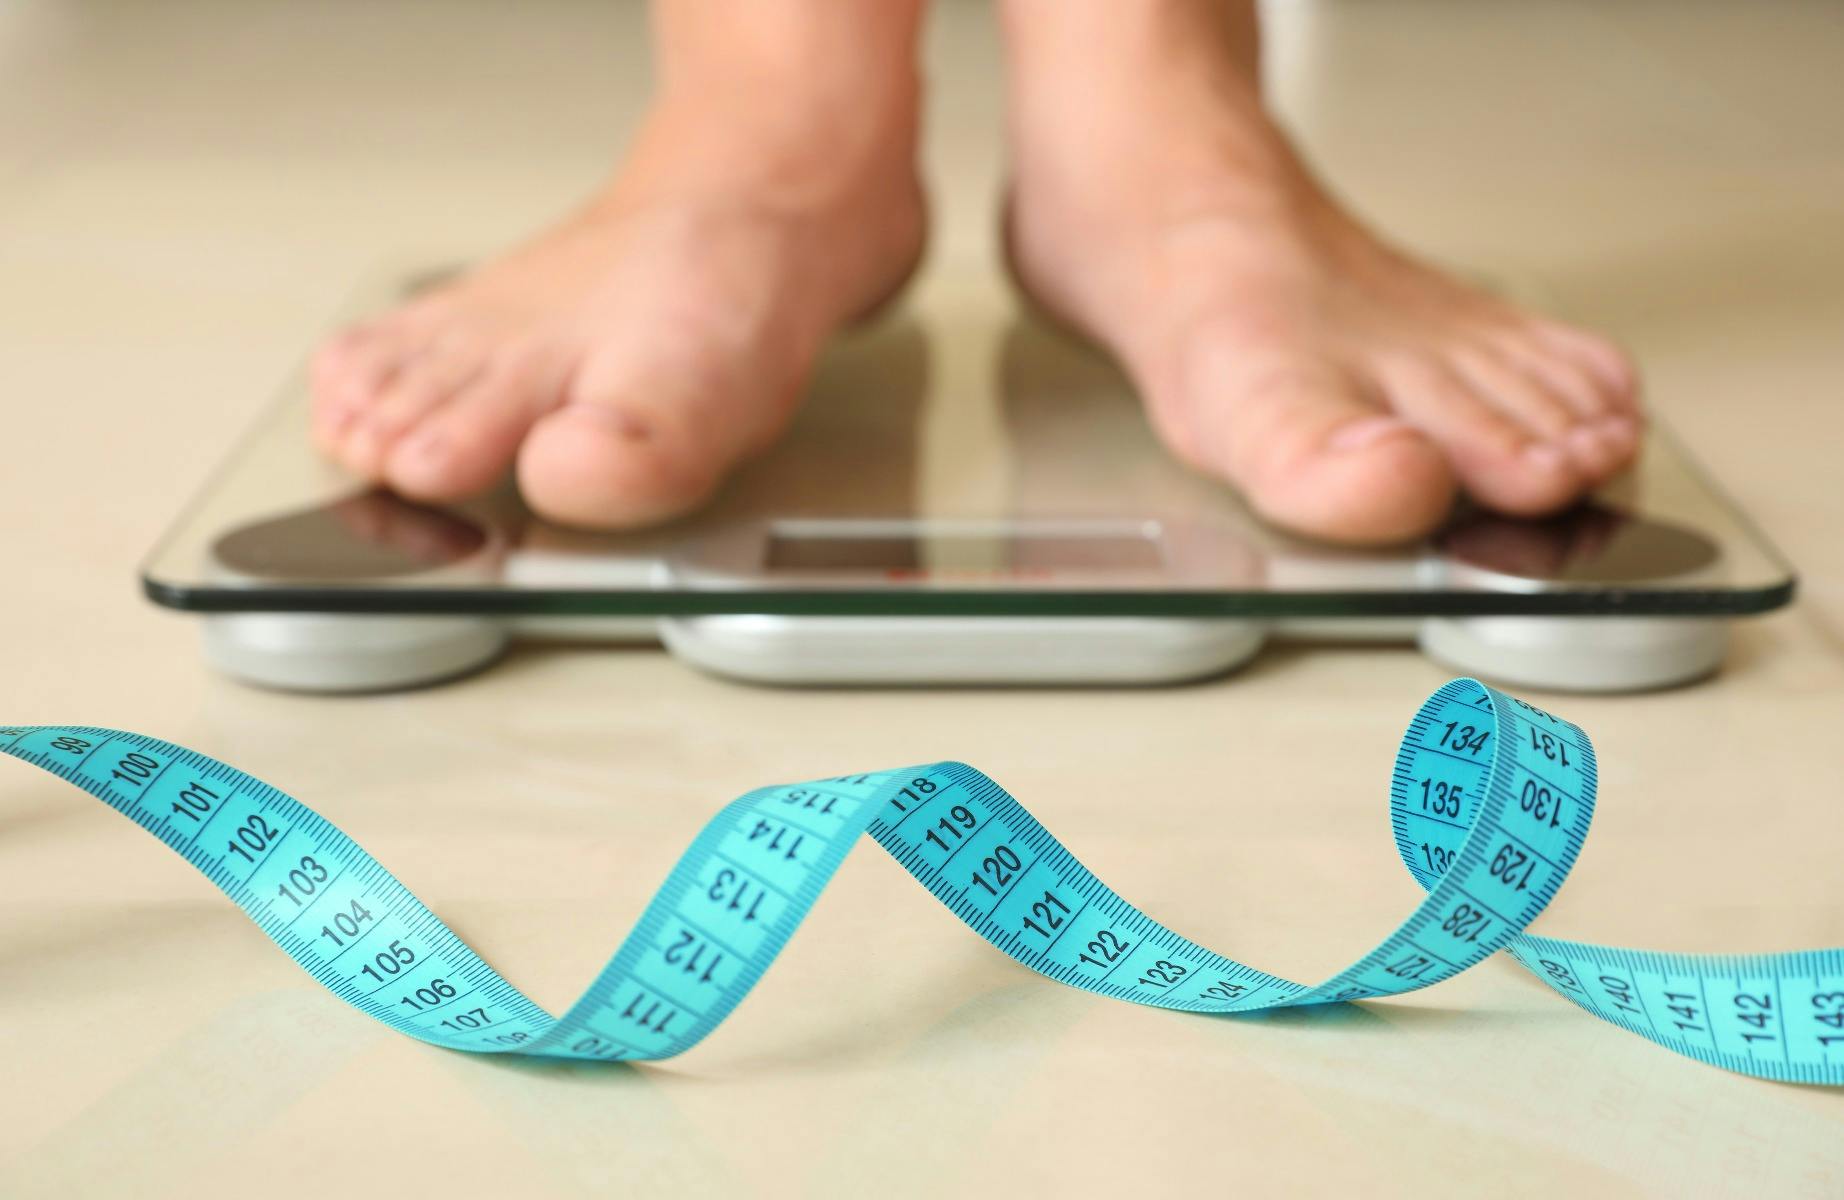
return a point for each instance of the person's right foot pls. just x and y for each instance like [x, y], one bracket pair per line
[627, 358]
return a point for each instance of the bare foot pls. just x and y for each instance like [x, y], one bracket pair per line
[1345, 388]
[627, 358]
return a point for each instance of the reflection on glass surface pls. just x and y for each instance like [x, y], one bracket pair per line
[1591, 543]
[980, 439]
[369, 536]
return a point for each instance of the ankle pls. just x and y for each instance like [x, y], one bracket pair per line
[1133, 118]
[810, 149]
[804, 97]
[842, 197]
[1177, 134]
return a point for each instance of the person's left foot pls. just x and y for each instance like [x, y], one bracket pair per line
[1345, 388]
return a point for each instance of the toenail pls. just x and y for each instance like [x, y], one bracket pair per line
[1545, 457]
[630, 427]
[624, 424]
[1367, 431]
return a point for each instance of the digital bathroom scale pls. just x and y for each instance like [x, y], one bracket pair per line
[967, 496]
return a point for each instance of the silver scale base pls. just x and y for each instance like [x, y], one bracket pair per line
[345, 653]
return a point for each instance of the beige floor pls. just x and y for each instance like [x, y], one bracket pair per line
[188, 188]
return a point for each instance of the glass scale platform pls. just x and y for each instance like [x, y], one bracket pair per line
[966, 495]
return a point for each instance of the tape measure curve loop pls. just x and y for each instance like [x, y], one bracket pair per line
[1490, 801]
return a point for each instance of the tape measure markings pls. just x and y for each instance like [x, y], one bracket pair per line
[1490, 801]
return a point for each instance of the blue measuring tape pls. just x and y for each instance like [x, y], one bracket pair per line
[1490, 801]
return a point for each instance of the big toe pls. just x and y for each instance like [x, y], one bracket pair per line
[605, 466]
[1309, 450]
[628, 448]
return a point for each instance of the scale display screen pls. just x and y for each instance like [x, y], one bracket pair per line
[960, 554]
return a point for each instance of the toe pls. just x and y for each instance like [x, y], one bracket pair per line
[1601, 449]
[1603, 429]
[1524, 395]
[466, 443]
[1566, 376]
[1519, 394]
[1309, 450]
[420, 386]
[1498, 460]
[1621, 434]
[345, 377]
[600, 467]
[359, 375]
[627, 449]
[1612, 369]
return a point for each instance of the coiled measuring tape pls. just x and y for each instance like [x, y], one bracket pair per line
[1490, 800]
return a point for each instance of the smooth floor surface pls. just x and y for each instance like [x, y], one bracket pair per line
[188, 189]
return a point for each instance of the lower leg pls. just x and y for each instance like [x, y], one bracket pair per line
[627, 357]
[1344, 386]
